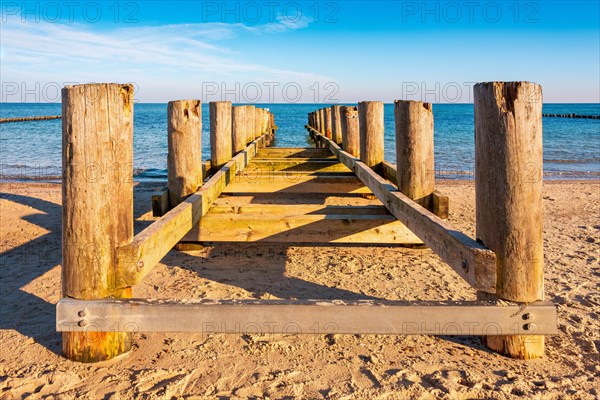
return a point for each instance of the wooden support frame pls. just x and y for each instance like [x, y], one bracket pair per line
[475, 263]
[306, 316]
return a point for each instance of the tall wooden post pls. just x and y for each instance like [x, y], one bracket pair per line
[336, 124]
[370, 117]
[220, 134]
[238, 126]
[257, 122]
[184, 158]
[322, 121]
[414, 150]
[97, 200]
[250, 112]
[350, 130]
[327, 119]
[508, 188]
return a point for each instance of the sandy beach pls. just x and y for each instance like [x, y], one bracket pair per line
[306, 366]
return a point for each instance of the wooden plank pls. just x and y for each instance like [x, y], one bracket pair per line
[160, 203]
[293, 152]
[148, 247]
[475, 263]
[295, 183]
[440, 203]
[315, 228]
[221, 207]
[300, 165]
[307, 317]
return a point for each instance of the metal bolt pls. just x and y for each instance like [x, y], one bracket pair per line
[81, 323]
[465, 265]
[526, 316]
[81, 313]
[140, 264]
[527, 327]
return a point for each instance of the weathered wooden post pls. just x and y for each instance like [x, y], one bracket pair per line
[250, 112]
[370, 117]
[184, 158]
[322, 121]
[327, 120]
[238, 127]
[414, 150]
[257, 122]
[336, 124]
[350, 130]
[508, 188]
[220, 134]
[97, 201]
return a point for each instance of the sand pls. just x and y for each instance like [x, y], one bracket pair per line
[307, 366]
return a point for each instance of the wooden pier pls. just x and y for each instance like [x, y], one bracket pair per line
[339, 192]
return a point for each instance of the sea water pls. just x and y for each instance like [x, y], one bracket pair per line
[32, 150]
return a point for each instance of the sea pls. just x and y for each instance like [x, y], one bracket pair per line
[32, 150]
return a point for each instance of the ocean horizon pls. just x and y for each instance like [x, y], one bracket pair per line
[32, 150]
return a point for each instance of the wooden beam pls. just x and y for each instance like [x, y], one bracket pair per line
[221, 206]
[295, 183]
[298, 164]
[283, 152]
[148, 247]
[306, 317]
[475, 263]
[312, 228]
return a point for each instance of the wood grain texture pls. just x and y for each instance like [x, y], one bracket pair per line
[508, 187]
[238, 127]
[336, 124]
[97, 199]
[257, 123]
[371, 130]
[184, 157]
[414, 150]
[327, 121]
[250, 115]
[220, 134]
[350, 130]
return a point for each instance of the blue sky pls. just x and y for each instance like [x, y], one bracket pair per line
[289, 51]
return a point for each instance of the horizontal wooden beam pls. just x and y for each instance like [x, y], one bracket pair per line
[475, 263]
[297, 209]
[440, 203]
[306, 317]
[313, 228]
[297, 165]
[295, 183]
[293, 152]
[136, 260]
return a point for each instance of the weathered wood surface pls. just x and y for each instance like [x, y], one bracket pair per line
[184, 166]
[97, 204]
[293, 152]
[250, 124]
[306, 317]
[298, 165]
[336, 124]
[414, 150]
[148, 247]
[439, 203]
[295, 183]
[350, 130]
[475, 263]
[327, 121]
[371, 130]
[508, 188]
[239, 122]
[220, 134]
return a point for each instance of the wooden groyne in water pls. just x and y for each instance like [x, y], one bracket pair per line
[24, 119]
[251, 192]
[572, 116]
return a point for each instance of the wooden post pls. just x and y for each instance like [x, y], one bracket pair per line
[508, 188]
[414, 150]
[370, 117]
[238, 126]
[322, 121]
[327, 119]
[97, 200]
[336, 124]
[250, 113]
[184, 158]
[350, 130]
[220, 134]
[257, 123]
